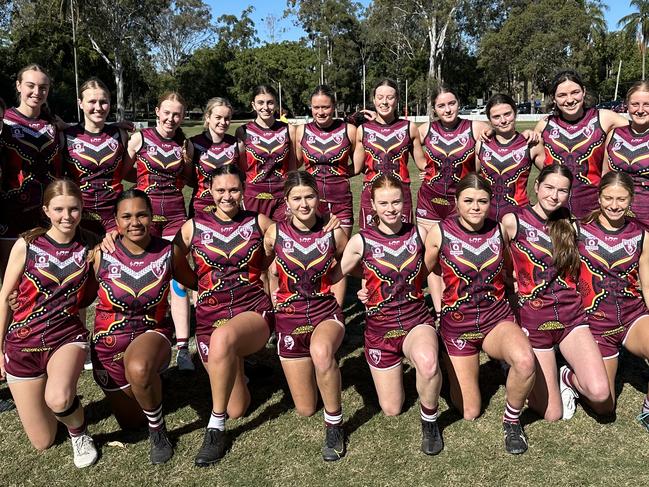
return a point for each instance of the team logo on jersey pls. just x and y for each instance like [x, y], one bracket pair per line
[401, 135]
[487, 156]
[588, 130]
[102, 376]
[178, 152]
[207, 237]
[464, 139]
[289, 343]
[618, 145]
[114, 271]
[229, 152]
[434, 139]
[377, 252]
[456, 248]
[554, 133]
[338, 138]
[204, 348]
[287, 246]
[310, 139]
[371, 137]
[42, 261]
[281, 138]
[494, 244]
[151, 150]
[50, 130]
[255, 139]
[78, 147]
[459, 343]
[591, 244]
[629, 245]
[158, 269]
[112, 145]
[519, 155]
[245, 232]
[17, 133]
[532, 234]
[411, 244]
[375, 355]
[322, 244]
[79, 258]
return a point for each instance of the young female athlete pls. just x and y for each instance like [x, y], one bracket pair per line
[212, 148]
[161, 156]
[267, 154]
[543, 245]
[614, 261]
[505, 160]
[391, 255]
[383, 146]
[132, 336]
[233, 311]
[574, 135]
[471, 250]
[627, 150]
[92, 154]
[44, 345]
[310, 324]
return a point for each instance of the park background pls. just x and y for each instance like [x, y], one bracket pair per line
[225, 48]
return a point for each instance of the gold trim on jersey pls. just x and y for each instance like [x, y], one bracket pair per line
[551, 325]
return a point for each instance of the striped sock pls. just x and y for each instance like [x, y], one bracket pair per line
[154, 417]
[217, 421]
[80, 430]
[568, 378]
[645, 405]
[428, 414]
[333, 419]
[512, 415]
[182, 343]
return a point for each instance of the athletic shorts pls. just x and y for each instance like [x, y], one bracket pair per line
[434, 206]
[99, 222]
[201, 206]
[336, 198]
[168, 216]
[108, 358]
[610, 339]
[296, 322]
[274, 208]
[385, 351]
[23, 364]
[366, 215]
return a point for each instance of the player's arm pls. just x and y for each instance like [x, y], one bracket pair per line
[133, 147]
[10, 282]
[299, 156]
[643, 269]
[432, 248]
[417, 151]
[359, 152]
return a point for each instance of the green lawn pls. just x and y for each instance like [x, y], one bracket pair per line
[274, 447]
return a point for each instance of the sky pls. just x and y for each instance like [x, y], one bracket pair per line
[286, 30]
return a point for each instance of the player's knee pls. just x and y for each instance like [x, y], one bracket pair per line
[471, 412]
[392, 407]
[59, 400]
[524, 363]
[42, 443]
[597, 390]
[139, 372]
[305, 410]
[553, 414]
[322, 356]
[427, 366]
[238, 411]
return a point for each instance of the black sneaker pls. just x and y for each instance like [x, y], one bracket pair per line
[515, 438]
[431, 438]
[213, 448]
[161, 449]
[6, 405]
[334, 446]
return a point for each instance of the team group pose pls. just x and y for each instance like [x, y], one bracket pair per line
[519, 276]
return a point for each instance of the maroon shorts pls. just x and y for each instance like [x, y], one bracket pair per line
[274, 208]
[610, 326]
[496, 212]
[336, 198]
[640, 208]
[434, 206]
[99, 222]
[201, 206]
[107, 356]
[386, 351]
[546, 325]
[296, 322]
[169, 215]
[366, 215]
[30, 363]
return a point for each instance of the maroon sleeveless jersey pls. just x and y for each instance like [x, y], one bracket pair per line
[133, 292]
[507, 167]
[387, 150]
[159, 166]
[49, 294]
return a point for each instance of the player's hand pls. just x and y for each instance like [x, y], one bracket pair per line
[531, 136]
[108, 244]
[487, 134]
[3, 374]
[332, 224]
[127, 125]
[363, 295]
[12, 299]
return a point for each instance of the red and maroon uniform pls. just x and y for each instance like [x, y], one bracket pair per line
[228, 257]
[94, 161]
[395, 274]
[31, 161]
[628, 152]
[209, 156]
[507, 167]
[304, 298]
[549, 304]
[387, 151]
[609, 284]
[160, 166]
[578, 145]
[326, 153]
[267, 162]
[474, 301]
[450, 155]
[56, 279]
[133, 299]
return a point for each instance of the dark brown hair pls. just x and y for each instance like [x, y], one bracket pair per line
[500, 99]
[299, 178]
[473, 181]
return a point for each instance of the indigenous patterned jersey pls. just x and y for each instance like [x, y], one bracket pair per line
[450, 155]
[507, 167]
[472, 267]
[94, 161]
[326, 150]
[304, 259]
[387, 149]
[580, 147]
[49, 294]
[159, 165]
[267, 157]
[133, 290]
[207, 157]
[395, 274]
[609, 270]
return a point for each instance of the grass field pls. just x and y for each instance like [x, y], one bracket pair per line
[274, 447]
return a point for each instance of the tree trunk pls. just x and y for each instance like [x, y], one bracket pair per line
[118, 72]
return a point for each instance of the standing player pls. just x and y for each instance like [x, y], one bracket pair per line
[161, 156]
[233, 311]
[543, 245]
[310, 324]
[267, 154]
[43, 348]
[506, 159]
[614, 265]
[132, 336]
[475, 313]
[212, 148]
[627, 150]
[92, 153]
[383, 147]
[391, 255]
[574, 135]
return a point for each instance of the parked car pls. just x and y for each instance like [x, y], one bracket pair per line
[615, 105]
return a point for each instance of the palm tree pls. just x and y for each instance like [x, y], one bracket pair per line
[637, 24]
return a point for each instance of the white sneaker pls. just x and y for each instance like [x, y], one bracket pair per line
[184, 360]
[568, 396]
[85, 453]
